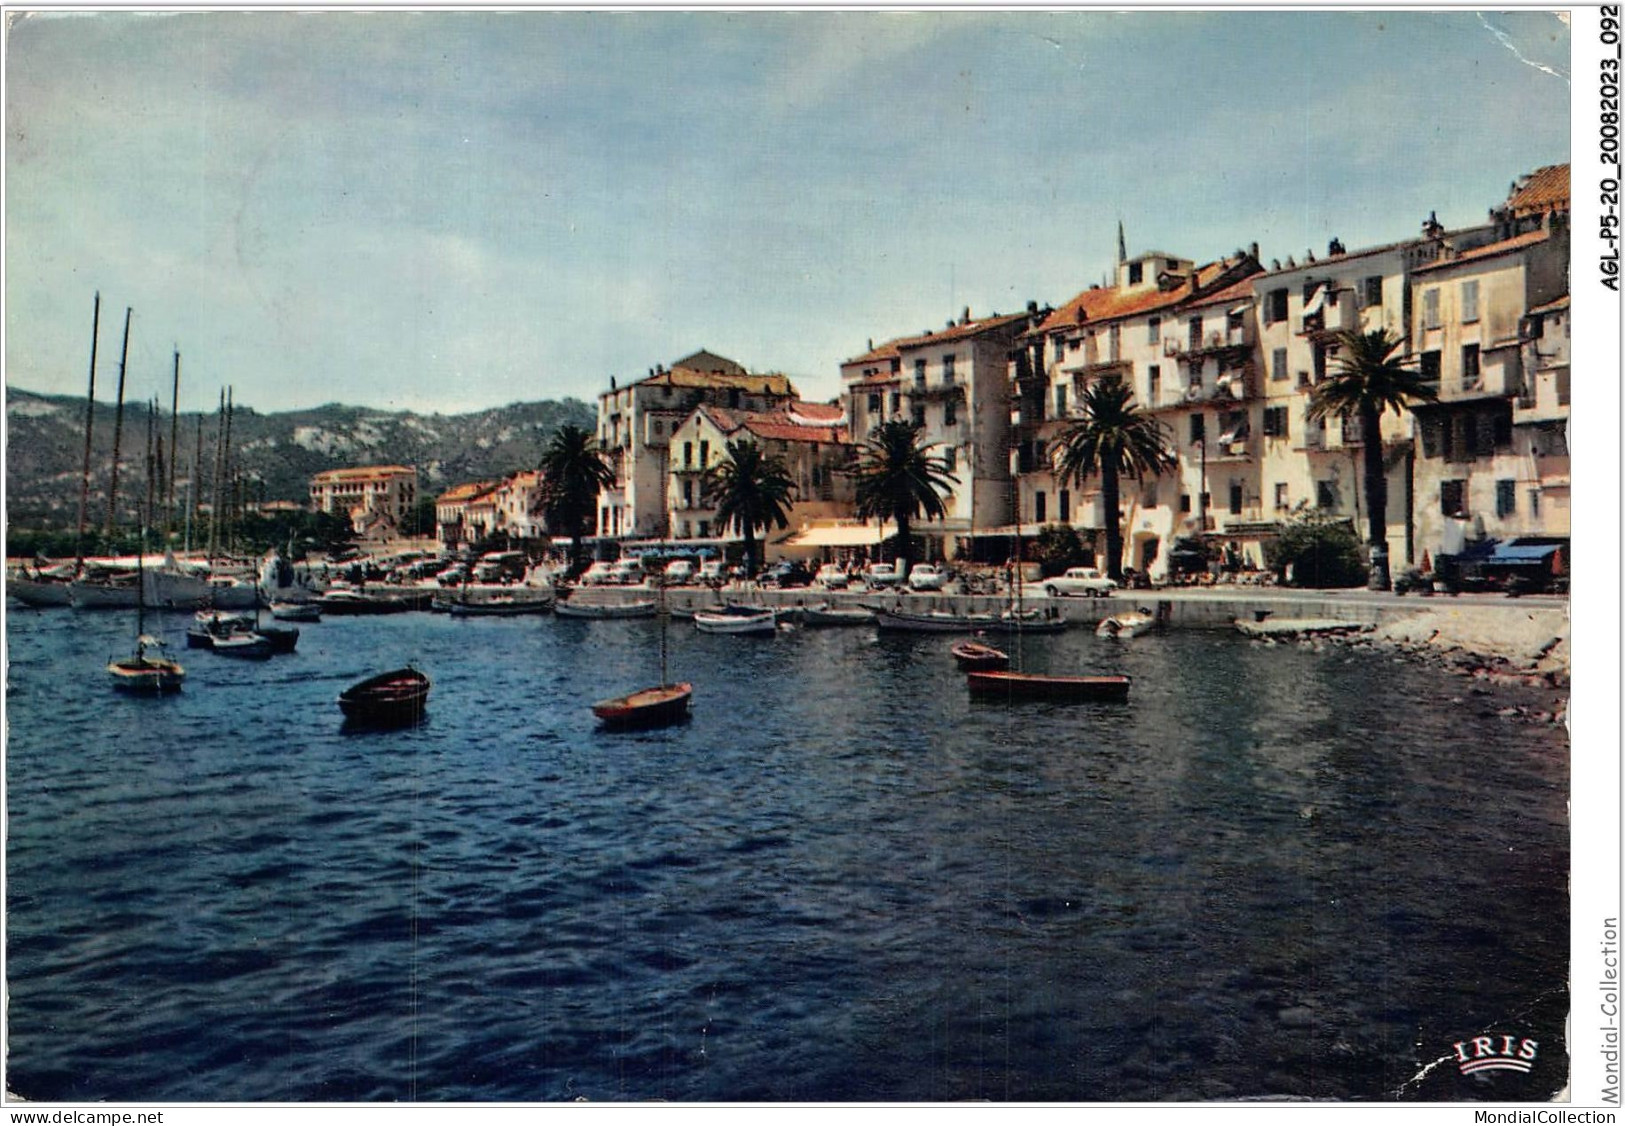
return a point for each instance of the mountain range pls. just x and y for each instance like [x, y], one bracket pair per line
[275, 454]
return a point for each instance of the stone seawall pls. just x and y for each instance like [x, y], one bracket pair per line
[1525, 633]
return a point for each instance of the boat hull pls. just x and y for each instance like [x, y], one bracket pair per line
[38, 592]
[760, 624]
[1061, 689]
[648, 707]
[396, 698]
[360, 604]
[630, 610]
[905, 622]
[831, 616]
[973, 656]
[1126, 625]
[146, 676]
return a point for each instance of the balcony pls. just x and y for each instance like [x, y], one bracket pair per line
[1311, 436]
[1547, 400]
[1336, 312]
[1216, 343]
[933, 392]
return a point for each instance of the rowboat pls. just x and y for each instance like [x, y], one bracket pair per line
[973, 655]
[296, 611]
[500, 606]
[146, 675]
[1033, 686]
[397, 697]
[737, 619]
[826, 615]
[244, 644]
[354, 602]
[568, 609]
[930, 621]
[647, 707]
[1130, 624]
[1048, 620]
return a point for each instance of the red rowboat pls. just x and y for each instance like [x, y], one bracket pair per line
[647, 707]
[1031, 686]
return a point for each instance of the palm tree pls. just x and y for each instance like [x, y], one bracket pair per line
[573, 472]
[1111, 436]
[1369, 377]
[749, 489]
[897, 477]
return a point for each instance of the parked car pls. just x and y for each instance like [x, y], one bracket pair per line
[679, 571]
[927, 576]
[880, 574]
[1080, 581]
[831, 576]
[711, 572]
[787, 572]
[626, 572]
[455, 575]
[599, 574]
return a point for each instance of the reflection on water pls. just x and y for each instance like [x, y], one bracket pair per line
[1272, 872]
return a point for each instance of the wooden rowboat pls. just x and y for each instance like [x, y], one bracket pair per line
[974, 656]
[395, 697]
[647, 707]
[1032, 686]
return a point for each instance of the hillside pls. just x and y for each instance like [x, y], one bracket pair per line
[45, 449]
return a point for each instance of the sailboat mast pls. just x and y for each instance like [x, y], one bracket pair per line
[225, 461]
[193, 487]
[174, 446]
[214, 504]
[90, 419]
[118, 425]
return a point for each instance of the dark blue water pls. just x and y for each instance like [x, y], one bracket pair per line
[1273, 872]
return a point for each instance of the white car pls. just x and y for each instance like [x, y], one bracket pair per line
[679, 571]
[831, 576]
[1084, 581]
[599, 574]
[880, 574]
[711, 571]
[626, 572]
[926, 576]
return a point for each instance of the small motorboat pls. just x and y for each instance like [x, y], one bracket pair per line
[973, 655]
[505, 605]
[647, 707]
[210, 625]
[246, 644]
[608, 610]
[398, 697]
[1048, 620]
[1034, 686]
[825, 614]
[355, 602]
[930, 621]
[737, 619]
[296, 611]
[1129, 624]
[146, 675]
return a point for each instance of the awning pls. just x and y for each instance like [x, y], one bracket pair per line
[841, 535]
[1313, 305]
[1521, 555]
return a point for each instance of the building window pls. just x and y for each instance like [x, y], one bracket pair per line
[1275, 306]
[1506, 498]
[1373, 291]
[660, 428]
[1452, 498]
[919, 373]
[1114, 342]
[950, 458]
[1136, 272]
[1198, 427]
[705, 454]
[1235, 498]
[1195, 326]
[896, 401]
[1280, 496]
[1469, 302]
[1326, 495]
[1430, 308]
[950, 413]
[948, 368]
[1275, 425]
[1039, 510]
[1060, 348]
[874, 403]
[688, 493]
[1430, 367]
[1148, 494]
[1278, 364]
[1534, 503]
[1060, 400]
[1154, 375]
[705, 529]
[1469, 367]
[1184, 502]
[1153, 330]
[1066, 506]
[918, 415]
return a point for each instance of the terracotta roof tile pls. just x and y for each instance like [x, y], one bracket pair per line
[1547, 189]
[459, 494]
[1229, 295]
[363, 473]
[817, 412]
[1505, 246]
[1099, 305]
[767, 427]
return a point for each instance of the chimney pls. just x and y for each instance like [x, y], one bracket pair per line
[964, 318]
[871, 347]
[1433, 229]
[1275, 263]
[1334, 249]
[1032, 307]
[1309, 255]
[1252, 252]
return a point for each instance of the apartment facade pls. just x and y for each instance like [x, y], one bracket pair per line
[459, 513]
[377, 499]
[811, 440]
[635, 424]
[955, 385]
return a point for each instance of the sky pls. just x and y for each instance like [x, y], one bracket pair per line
[453, 211]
